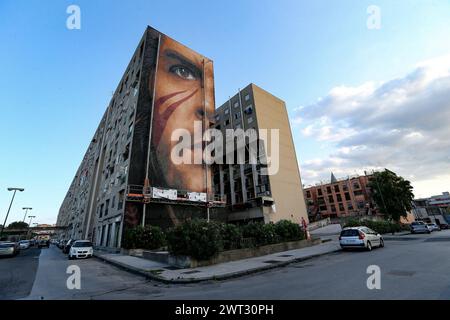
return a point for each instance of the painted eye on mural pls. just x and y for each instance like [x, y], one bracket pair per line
[183, 72]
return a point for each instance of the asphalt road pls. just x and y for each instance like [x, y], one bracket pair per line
[412, 267]
[17, 274]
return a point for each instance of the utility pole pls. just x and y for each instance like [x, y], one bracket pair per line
[12, 200]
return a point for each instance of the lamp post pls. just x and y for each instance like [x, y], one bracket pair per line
[29, 225]
[12, 200]
[26, 211]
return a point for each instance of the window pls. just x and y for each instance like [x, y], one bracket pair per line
[333, 208]
[218, 117]
[339, 198]
[330, 199]
[350, 206]
[247, 97]
[113, 204]
[341, 207]
[126, 153]
[328, 189]
[236, 104]
[101, 210]
[308, 194]
[356, 185]
[121, 199]
[345, 187]
[319, 192]
[336, 188]
[106, 207]
[358, 192]
[248, 110]
[250, 120]
[347, 196]
[238, 126]
[227, 122]
[227, 111]
[130, 130]
[237, 115]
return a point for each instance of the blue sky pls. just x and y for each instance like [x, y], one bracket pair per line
[56, 82]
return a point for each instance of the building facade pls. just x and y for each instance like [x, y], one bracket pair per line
[131, 175]
[341, 198]
[126, 177]
[250, 194]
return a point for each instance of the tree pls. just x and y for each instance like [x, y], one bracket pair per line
[392, 194]
[18, 225]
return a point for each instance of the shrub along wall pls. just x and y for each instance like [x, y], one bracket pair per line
[148, 237]
[378, 226]
[202, 240]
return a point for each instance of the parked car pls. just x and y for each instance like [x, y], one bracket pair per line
[24, 244]
[81, 249]
[44, 243]
[60, 243]
[67, 246]
[32, 242]
[9, 249]
[360, 237]
[419, 227]
[444, 226]
[433, 227]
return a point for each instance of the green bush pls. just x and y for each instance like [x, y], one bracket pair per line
[231, 236]
[378, 226]
[197, 238]
[262, 234]
[148, 237]
[289, 231]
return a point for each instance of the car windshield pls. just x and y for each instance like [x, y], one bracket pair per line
[83, 244]
[349, 233]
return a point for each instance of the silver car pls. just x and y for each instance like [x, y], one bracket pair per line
[9, 249]
[419, 227]
[360, 237]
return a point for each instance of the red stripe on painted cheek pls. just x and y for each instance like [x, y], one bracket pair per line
[161, 120]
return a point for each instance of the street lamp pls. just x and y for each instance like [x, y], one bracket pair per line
[26, 211]
[12, 200]
[31, 217]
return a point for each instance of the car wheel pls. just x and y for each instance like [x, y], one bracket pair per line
[70, 257]
[429, 232]
[381, 243]
[369, 246]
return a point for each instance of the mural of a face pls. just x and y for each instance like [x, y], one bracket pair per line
[184, 92]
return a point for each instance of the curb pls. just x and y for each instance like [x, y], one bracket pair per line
[237, 274]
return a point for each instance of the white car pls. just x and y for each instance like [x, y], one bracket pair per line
[24, 244]
[81, 249]
[433, 227]
[360, 237]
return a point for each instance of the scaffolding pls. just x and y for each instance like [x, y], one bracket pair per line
[148, 194]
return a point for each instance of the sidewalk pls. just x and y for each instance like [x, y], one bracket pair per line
[165, 273]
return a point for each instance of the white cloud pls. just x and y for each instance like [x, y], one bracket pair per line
[401, 124]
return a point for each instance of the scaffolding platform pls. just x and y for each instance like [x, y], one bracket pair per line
[143, 194]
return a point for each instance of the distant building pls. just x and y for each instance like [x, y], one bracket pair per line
[432, 209]
[341, 198]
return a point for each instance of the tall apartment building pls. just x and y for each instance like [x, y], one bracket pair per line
[249, 194]
[344, 197]
[126, 177]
